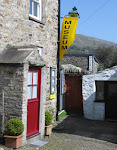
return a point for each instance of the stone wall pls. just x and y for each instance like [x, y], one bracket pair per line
[18, 29]
[11, 90]
[95, 110]
[82, 62]
[95, 66]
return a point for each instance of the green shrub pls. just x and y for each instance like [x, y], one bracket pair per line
[14, 127]
[48, 118]
[77, 65]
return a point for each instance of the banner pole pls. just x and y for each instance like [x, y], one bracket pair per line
[58, 58]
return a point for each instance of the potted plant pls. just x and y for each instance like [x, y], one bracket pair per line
[14, 130]
[48, 123]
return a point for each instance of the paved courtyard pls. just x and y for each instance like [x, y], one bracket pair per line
[78, 133]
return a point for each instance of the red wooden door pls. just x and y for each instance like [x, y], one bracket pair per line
[73, 98]
[33, 107]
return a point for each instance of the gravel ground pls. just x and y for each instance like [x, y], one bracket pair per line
[76, 137]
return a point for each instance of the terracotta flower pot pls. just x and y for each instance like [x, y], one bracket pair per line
[13, 141]
[48, 130]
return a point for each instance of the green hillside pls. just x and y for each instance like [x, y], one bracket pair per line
[86, 44]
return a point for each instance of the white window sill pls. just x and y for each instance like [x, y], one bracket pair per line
[31, 17]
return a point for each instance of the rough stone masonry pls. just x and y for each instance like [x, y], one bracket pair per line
[18, 29]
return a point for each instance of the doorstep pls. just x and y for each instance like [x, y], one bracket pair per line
[34, 138]
[39, 143]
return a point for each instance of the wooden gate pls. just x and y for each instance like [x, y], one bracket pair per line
[33, 107]
[73, 98]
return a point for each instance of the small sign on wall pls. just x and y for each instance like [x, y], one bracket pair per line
[52, 82]
[52, 96]
[90, 63]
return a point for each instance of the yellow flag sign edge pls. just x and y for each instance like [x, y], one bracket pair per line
[67, 33]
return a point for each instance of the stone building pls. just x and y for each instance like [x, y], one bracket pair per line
[85, 61]
[100, 95]
[71, 90]
[28, 62]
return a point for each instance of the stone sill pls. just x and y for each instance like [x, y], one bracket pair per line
[36, 20]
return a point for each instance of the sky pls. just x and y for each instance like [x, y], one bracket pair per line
[98, 18]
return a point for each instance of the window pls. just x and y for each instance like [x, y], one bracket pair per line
[100, 90]
[40, 51]
[35, 9]
[105, 90]
[32, 85]
[53, 81]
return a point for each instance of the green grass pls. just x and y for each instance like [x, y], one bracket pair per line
[64, 113]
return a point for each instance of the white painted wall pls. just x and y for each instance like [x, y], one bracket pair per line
[95, 110]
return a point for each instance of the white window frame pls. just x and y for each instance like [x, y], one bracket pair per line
[39, 11]
[100, 91]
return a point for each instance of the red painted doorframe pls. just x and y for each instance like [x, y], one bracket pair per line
[33, 106]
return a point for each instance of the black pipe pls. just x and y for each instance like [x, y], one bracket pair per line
[58, 58]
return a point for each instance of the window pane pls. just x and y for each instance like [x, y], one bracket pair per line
[34, 92]
[29, 78]
[100, 90]
[35, 9]
[40, 50]
[31, 7]
[53, 73]
[53, 89]
[35, 77]
[29, 92]
[53, 81]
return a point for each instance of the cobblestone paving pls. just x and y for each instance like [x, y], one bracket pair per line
[63, 141]
[66, 139]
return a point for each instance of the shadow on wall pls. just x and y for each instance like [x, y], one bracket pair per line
[88, 106]
[93, 110]
[77, 125]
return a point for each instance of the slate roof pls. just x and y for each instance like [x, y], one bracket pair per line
[16, 55]
[71, 69]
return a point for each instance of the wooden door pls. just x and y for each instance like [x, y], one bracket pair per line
[73, 98]
[111, 99]
[33, 107]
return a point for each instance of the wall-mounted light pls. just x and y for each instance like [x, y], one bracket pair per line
[74, 12]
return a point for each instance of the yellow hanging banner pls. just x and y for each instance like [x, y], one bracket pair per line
[67, 33]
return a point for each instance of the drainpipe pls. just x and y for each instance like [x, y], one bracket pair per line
[58, 74]
[2, 111]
